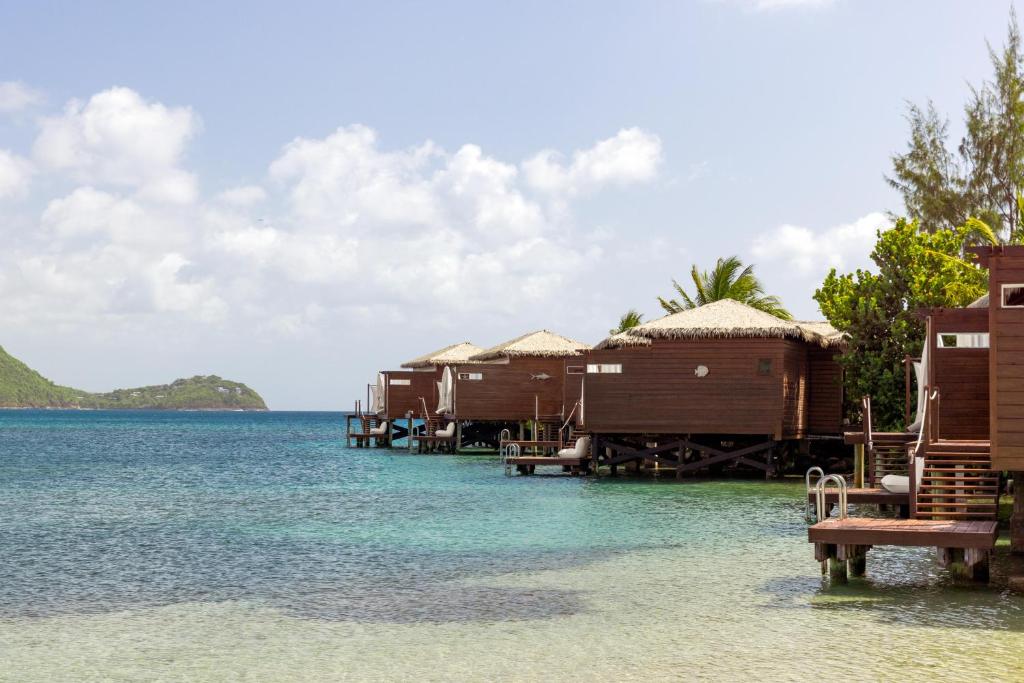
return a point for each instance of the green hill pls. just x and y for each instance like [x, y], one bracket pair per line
[23, 387]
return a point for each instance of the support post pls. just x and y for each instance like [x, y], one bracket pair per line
[1017, 519]
[858, 466]
[408, 419]
[458, 438]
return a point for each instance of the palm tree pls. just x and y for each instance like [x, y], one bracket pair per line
[729, 279]
[629, 319]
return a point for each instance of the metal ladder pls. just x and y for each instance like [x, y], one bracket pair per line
[511, 451]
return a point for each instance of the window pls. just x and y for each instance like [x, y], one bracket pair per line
[764, 366]
[471, 375]
[962, 340]
[574, 370]
[1013, 296]
[605, 369]
[399, 382]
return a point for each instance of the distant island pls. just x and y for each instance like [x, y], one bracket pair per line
[23, 387]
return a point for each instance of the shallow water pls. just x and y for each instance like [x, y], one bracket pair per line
[228, 546]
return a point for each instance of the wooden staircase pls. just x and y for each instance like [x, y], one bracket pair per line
[957, 482]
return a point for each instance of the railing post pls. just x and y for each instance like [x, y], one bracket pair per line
[858, 465]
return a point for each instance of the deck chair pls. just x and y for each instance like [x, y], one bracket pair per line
[577, 451]
[380, 430]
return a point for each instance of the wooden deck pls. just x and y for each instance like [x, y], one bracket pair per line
[863, 531]
[527, 464]
[865, 496]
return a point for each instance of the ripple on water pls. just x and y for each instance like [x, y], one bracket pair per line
[211, 546]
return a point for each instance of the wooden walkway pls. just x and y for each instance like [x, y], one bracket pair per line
[527, 464]
[979, 534]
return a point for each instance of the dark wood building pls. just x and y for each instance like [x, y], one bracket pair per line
[519, 380]
[705, 375]
[723, 368]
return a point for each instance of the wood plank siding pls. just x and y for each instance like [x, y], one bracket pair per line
[753, 386]
[825, 404]
[400, 398]
[1006, 363]
[506, 391]
[960, 374]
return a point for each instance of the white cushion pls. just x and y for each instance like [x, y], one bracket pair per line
[447, 431]
[567, 453]
[382, 429]
[896, 483]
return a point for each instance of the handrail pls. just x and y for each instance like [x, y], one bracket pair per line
[503, 436]
[820, 504]
[807, 499]
[561, 430]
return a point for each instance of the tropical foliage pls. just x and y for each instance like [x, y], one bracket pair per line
[984, 177]
[878, 310]
[729, 279]
[629, 319]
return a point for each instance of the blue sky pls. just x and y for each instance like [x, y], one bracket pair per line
[297, 195]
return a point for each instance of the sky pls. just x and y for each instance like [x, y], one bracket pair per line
[296, 195]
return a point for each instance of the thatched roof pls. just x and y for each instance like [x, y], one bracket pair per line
[727, 319]
[828, 335]
[456, 353]
[623, 340]
[539, 344]
[980, 302]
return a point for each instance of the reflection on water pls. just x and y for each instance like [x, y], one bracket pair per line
[211, 546]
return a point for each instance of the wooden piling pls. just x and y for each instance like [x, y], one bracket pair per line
[1017, 518]
[858, 465]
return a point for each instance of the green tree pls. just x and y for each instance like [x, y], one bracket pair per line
[984, 177]
[628, 320]
[878, 310]
[729, 279]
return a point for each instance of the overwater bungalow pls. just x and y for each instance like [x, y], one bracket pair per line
[722, 384]
[504, 387]
[400, 397]
[969, 428]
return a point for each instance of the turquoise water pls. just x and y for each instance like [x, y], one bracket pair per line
[234, 546]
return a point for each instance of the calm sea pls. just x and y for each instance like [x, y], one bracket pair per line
[234, 546]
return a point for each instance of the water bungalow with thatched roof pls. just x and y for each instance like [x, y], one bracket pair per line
[403, 395]
[507, 385]
[968, 429]
[718, 384]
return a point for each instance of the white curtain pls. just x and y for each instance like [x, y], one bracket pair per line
[921, 374]
[445, 392]
[378, 394]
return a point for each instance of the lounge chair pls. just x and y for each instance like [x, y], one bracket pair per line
[380, 430]
[577, 451]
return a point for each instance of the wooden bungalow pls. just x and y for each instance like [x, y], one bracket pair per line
[968, 429]
[722, 383]
[506, 386]
[399, 397]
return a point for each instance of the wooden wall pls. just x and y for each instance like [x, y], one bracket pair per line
[403, 398]
[659, 392]
[507, 391]
[1006, 364]
[961, 375]
[825, 403]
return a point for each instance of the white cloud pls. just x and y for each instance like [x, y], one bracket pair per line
[813, 252]
[245, 195]
[345, 228]
[631, 156]
[118, 138]
[15, 96]
[15, 172]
